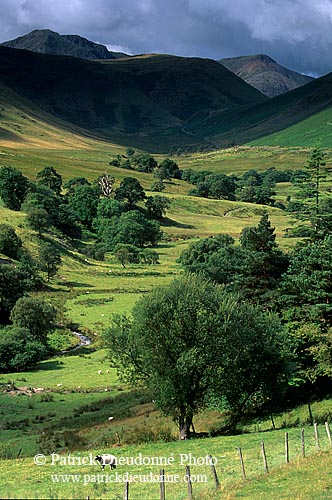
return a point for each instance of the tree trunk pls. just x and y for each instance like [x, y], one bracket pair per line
[185, 422]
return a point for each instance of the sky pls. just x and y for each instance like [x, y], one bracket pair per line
[296, 33]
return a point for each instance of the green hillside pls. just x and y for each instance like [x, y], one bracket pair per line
[316, 129]
[252, 122]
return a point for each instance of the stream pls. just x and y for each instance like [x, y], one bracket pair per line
[83, 340]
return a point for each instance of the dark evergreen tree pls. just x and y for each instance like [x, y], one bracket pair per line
[36, 315]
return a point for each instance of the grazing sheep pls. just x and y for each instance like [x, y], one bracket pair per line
[110, 418]
[99, 372]
[106, 460]
[107, 371]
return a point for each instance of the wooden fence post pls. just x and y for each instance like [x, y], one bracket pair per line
[328, 432]
[190, 486]
[286, 448]
[316, 436]
[264, 457]
[214, 472]
[242, 463]
[302, 443]
[162, 484]
[126, 491]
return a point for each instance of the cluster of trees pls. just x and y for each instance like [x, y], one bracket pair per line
[244, 326]
[251, 269]
[252, 186]
[77, 206]
[142, 162]
[297, 286]
[238, 331]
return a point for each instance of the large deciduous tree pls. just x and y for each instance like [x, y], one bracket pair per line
[190, 342]
[38, 220]
[13, 187]
[83, 202]
[131, 228]
[10, 243]
[49, 259]
[51, 178]
[36, 315]
[13, 283]
[130, 191]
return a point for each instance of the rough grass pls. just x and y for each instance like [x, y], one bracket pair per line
[310, 132]
[31, 481]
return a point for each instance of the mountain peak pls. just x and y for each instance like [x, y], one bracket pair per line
[265, 74]
[46, 41]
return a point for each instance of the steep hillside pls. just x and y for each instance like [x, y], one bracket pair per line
[265, 74]
[309, 132]
[138, 97]
[50, 42]
[186, 86]
[252, 122]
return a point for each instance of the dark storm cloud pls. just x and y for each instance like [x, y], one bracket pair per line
[297, 33]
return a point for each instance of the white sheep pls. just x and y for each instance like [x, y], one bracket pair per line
[99, 372]
[106, 460]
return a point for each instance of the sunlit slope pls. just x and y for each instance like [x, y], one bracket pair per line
[315, 130]
[25, 125]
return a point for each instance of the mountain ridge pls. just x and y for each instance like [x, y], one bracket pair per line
[140, 96]
[50, 42]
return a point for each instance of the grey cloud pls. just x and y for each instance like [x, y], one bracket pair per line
[294, 32]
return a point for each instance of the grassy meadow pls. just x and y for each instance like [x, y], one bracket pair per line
[302, 478]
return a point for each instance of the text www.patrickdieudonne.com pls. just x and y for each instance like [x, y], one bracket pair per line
[127, 477]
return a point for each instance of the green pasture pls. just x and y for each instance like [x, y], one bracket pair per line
[72, 372]
[239, 159]
[313, 131]
[32, 481]
[92, 290]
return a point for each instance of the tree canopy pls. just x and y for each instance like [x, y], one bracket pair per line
[190, 342]
[10, 243]
[13, 187]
